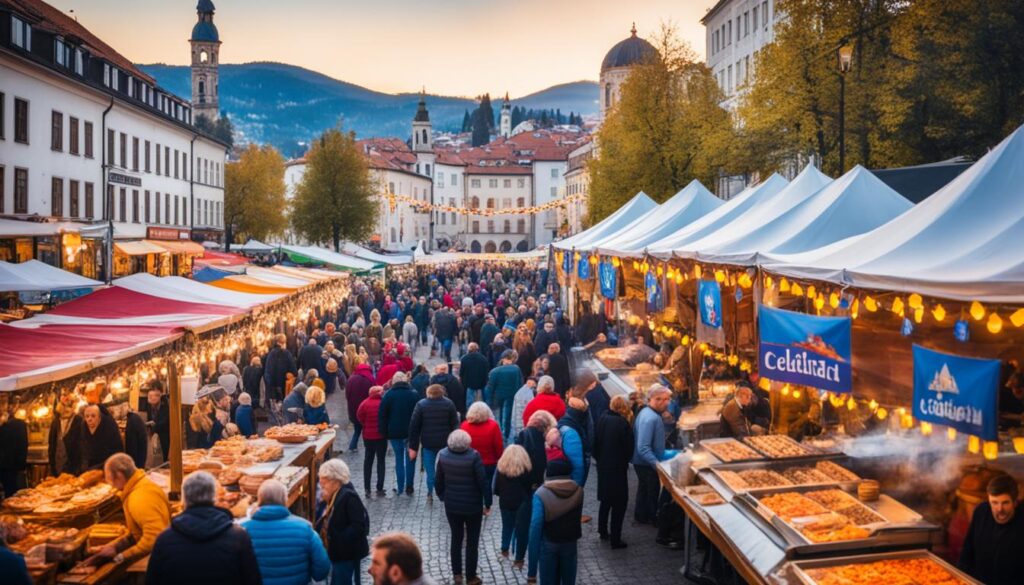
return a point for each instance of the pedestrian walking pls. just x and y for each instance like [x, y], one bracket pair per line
[502, 384]
[288, 550]
[473, 370]
[486, 440]
[555, 527]
[395, 414]
[649, 449]
[344, 525]
[357, 389]
[462, 486]
[512, 486]
[374, 444]
[433, 419]
[613, 450]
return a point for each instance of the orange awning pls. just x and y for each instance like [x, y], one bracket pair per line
[249, 286]
[179, 246]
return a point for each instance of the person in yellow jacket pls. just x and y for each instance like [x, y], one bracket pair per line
[147, 511]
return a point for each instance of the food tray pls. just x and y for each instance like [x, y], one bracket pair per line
[779, 466]
[787, 441]
[800, 568]
[710, 444]
[292, 439]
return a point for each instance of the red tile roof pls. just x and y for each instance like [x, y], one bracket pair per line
[48, 18]
[502, 170]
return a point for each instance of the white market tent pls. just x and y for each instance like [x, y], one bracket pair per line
[185, 289]
[275, 277]
[964, 242]
[853, 204]
[353, 249]
[330, 257]
[445, 257]
[255, 247]
[685, 207]
[34, 275]
[624, 216]
[725, 213]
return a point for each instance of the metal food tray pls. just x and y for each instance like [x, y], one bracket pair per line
[779, 464]
[903, 527]
[799, 568]
[808, 450]
[731, 440]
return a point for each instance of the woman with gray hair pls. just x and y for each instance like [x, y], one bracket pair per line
[287, 548]
[462, 486]
[344, 525]
[203, 544]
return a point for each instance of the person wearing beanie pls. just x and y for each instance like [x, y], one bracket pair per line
[555, 526]
[245, 418]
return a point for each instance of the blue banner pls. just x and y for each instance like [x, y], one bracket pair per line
[805, 349]
[709, 300]
[655, 300]
[956, 391]
[567, 262]
[583, 270]
[609, 279]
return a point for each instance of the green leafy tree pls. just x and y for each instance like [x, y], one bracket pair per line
[222, 128]
[336, 199]
[666, 130]
[467, 122]
[483, 121]
[254, 202]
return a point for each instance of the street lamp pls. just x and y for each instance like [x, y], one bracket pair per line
[845, 56]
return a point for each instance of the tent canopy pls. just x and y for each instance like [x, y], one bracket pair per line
[688, 205]
[256, 247]
[725, 213]
[853, 204]
[248, 284]
[214, 258]
[177, 288]
[34, 275]
[353, 249]
[964, 242]
[318, 255]
[633, 210]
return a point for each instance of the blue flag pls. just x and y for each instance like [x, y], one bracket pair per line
[655, 300]
[956, 391]
[609, 279]
[709, 300]
[567, 262]
[805, 349]
[583, 270]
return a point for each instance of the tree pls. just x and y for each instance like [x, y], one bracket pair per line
[665, 131]
[467, 122]
[483, 121]
[222, 128]
[336, 199]
[254, 202]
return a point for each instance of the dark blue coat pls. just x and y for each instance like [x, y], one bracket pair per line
[203, 546]
[433, 420]
[396, 411]
[12, 567]
[461, 481]
[473, 369]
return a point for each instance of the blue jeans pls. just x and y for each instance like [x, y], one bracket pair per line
[429, 467]
[558, 563]
[515, 529]
[446, 349]
[357, 429]
[345, 573]
[489, 492]
[471, 396]
[405, 468]
[504, 405]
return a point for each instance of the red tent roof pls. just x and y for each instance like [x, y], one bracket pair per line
[117, 302]
[213, 258]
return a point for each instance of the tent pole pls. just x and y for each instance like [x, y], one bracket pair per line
[177, 426]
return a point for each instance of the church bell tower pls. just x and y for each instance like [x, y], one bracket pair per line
[205, 44]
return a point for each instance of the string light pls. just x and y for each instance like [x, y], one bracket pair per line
[977, 311]
[995, 323]
[915, 301]
[939, 313]
[811, 293]
[973, 444]
[926, 428]
[796, 290]
[990, 450]
[951, 434]
[870, 304]
[833, 300]
[783, 285]
[1017, 318]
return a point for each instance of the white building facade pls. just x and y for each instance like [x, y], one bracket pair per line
[549, 182]
[577, 184]
[736, 31]
[491, 189]
[449, 190]
[400, 224]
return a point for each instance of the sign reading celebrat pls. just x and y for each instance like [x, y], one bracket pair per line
[956, 391]
[805, 349]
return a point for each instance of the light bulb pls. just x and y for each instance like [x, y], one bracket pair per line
[977, 311]
[881, 413]
[783, 285]
[990, 450]
[833, 300]
[926, 428]
[719, 276]
[796, 290]
[811, 292]
[1017, 318]
[915, 301]
[995, 323]
[870, 304]
[940, 313]
[973, 444]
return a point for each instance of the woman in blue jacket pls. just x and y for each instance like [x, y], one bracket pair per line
[288, 550]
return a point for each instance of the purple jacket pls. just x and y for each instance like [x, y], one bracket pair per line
[357, 389]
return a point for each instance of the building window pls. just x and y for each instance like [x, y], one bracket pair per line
[21, 33]
[88, 139]
[57, 197]
[73, 135]
[394, 235]
[156, 207]
[135, 154]
[521, 202]
[124, 205]
[746, 24]
[146, 206]
[475, 204]
[56, 131]
[554, 173]
[3, 114]
[73, 198]
[20, 121]
[475, 183]
[177, 205]
[754, 10]
[184, 166]
[20, 190]
[492, 183]
[124, 150]
[506, 202]
[521, 226]
[157, 149]
[146, 153]
[554, 192]
[428, 166]
[490, 203]
[79, 67]
[490, 226]
[167, 208]
[176, 167]
[764, 14]
[508, 226]
[476, 226]
[507, 183]
[108, 205]
[115, 82]
[455, 180]
[135, 206]
[729, 36]
[89, 205]
[522, 183]
[3, 194]
[167, 161]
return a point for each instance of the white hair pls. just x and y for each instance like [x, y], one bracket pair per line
[199, 489]
[399, 376]
[272, 493]
[656, 390]
[479, 412]
[337, 470]
[459, 440]
[545, 382]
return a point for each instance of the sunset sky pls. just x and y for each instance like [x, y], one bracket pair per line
[453, 47]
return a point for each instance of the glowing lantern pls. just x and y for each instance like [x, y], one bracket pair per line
[646, 267]
[783, 285]
[851, 404]
[897, 306]
[679, 278]
[819, 302]
[615, 262]
[1017, 318]
[636, 265]
[21, 414]
[796, 290]
[796, 394]
[576, 256]
[765, 384]
[951, 434]
[668, 274]
[661, 271]
[811, 293]
[977, 311]
[973, 444]
[745, 281]
[1018, 444]
[881, 413]
[995, 323]
[686, 340]
[873, 405]
[768, 282]
[907, 421]
[697, 271]
[833, 300]
[593, 260]
[703, 347]
[719, 276]
[990, 450]
[926, 428]
[939, 313]
[918, 314]
[870, 304]
[915, 301]
[785, 390]
[733, 360]
[855, 308]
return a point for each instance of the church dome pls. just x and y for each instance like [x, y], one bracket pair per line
[205, 31]
[629, 52]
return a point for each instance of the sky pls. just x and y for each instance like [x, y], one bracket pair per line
[451, 47]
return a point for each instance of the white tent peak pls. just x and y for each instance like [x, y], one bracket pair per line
[630, 212]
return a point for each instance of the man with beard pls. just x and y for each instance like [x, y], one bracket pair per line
[992, 548]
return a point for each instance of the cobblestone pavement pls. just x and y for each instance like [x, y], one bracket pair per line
[643, 561]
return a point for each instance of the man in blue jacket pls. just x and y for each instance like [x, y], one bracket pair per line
[288, 550]
[502, 384]
[555, 527]
[649, 430]
[394, 417]
[473, 369]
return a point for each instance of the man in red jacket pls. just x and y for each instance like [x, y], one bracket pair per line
[546, 399]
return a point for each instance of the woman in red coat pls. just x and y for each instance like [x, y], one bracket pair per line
[546, 399]
[486, 440]
[375, 444]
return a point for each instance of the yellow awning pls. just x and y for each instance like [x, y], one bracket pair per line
[179, 246]
[141, 248]
[248, 285]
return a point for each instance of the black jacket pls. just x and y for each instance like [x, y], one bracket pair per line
[136, 439]
[991, 552]
[512, 492]
[279, 362]
[543, 340]
[598, 403]
[613, 448]
[461, 481]
[527, 355]
[251, 378]
[14, 445]
[454, 390]
[203, 546]
[96, 447]
[309, 358]
[473, 370]
[433, 419]
[347, 527]
[72, 446]
[533, 441]
[558, 368]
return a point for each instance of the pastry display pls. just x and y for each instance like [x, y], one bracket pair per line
[709, 499]
[229, 476]
[55, 508]
[778, 446]
[731, 450]
[922, 571]
[294, 432]
[843, 503]
[789, 505]
[26, 501]
[833, 529]
[835, 471]
[806, 476]
[92, 496]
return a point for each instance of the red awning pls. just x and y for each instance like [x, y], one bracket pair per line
[117, 302]
[213, 258]
[29, 350]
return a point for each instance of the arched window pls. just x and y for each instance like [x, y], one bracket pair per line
[521, 202]
[522, 246]
[607, 95]
[204, 57]
[490, 248]
[476, 203]
[425, 136]
[202, 89]
[475, 247]
[506, 246]
[490, 203]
